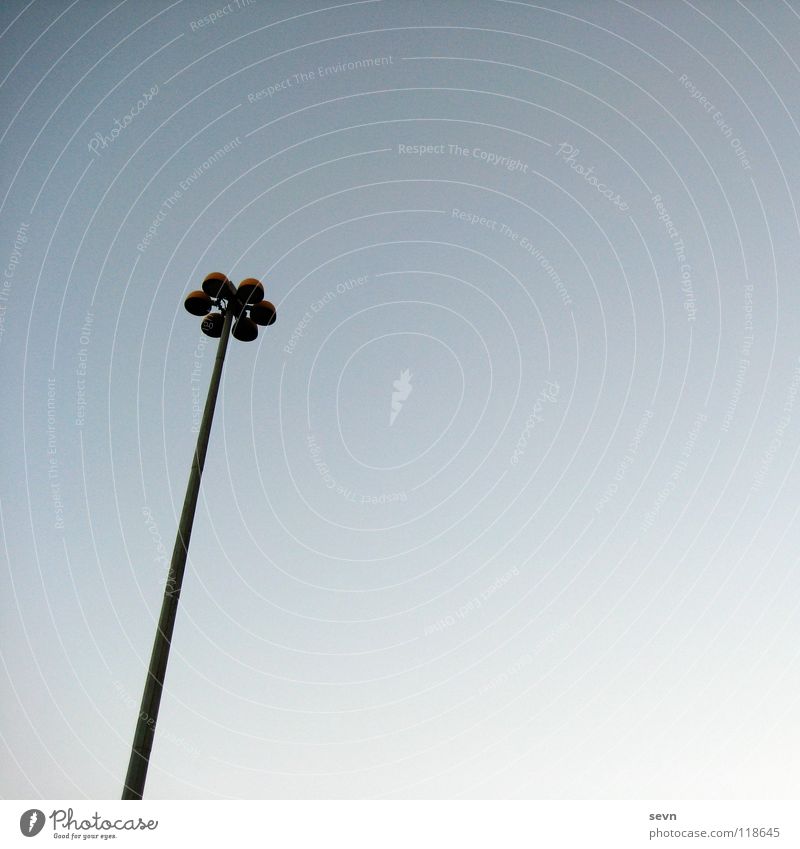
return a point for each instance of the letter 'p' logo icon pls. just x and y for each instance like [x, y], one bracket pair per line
[31, 822]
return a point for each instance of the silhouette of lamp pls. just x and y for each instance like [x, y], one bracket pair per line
[225, 309]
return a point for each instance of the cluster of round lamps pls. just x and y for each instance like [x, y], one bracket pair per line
[246, 300]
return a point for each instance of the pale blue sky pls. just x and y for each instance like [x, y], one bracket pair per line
[568, 568]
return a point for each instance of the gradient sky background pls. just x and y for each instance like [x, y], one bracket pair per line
[568, 569]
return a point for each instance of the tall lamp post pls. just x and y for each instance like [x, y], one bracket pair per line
[241, 308]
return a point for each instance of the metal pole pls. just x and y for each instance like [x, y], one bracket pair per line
[151, 699]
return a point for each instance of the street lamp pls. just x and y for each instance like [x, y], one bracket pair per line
[243, 309]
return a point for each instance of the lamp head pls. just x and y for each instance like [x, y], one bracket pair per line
[198, 303]
[211, 325]
[217, 285]
[263, 313]
[244, 329]
[250, 291]
[245, 304]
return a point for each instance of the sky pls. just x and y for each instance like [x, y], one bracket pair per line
[505, 504]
